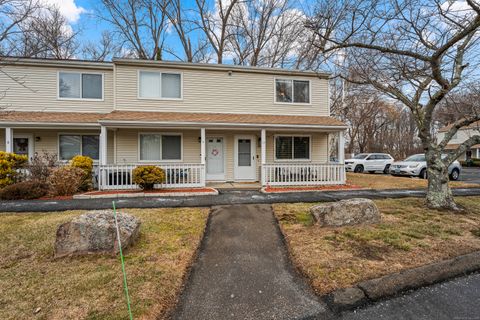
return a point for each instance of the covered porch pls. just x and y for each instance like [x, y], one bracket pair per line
[193, 149]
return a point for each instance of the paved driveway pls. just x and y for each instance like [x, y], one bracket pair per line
[455, 299]
[243, 272]
[471, 175]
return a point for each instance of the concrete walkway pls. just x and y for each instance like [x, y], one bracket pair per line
[243, 272]
[224, 198]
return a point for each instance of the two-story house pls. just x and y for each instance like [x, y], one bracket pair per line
[200, 122]
[460, 137]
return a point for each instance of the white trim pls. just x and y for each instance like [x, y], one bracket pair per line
[293, 147]
[81, 144]
[227, 125]
[31, 143]
[159, 72]
[293, 94]
[253, 150]
[9, 140]
[161, 134]
[220, 177]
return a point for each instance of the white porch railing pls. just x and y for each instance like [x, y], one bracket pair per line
[304, 174]
[177, 175]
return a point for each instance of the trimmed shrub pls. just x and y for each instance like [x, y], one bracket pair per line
[9, 165]
[24, 190]
[147, 176]
[65, 181]
[40, 166]
[86, 164]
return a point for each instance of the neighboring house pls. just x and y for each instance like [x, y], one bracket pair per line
[200, 122]
[461, 136]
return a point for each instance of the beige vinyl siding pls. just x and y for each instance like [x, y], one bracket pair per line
[217, 91]
[36, 90]
[2, 139]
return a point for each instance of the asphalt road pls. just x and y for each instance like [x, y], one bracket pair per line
[471, 175]
[455, 299]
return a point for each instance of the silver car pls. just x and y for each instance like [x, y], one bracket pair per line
[416, 166]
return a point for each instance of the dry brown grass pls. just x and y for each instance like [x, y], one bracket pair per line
[378, 181]
[91, 287]
[409, 236]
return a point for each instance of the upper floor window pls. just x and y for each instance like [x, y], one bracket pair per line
[292, 91]
[79, 85]
[160, 85]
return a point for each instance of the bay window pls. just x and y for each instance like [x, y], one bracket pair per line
[292, 91]
[71, 145]
[159, 85]
[79, 85]
[160, 147]
[292, 148]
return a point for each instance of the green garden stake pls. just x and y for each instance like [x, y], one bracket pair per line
[123, 262]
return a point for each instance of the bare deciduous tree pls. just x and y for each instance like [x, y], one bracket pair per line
[416, 52]
[139, 24]
[102, 50]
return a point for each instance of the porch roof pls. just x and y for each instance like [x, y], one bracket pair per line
[220, 119]
[454, 146]
[39, 118]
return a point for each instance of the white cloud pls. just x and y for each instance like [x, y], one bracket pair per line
[68, 8]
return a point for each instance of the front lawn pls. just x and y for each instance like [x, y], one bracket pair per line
[381, 181]
[91, 287]
[409, 236]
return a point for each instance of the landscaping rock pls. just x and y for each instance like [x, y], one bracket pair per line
[344, 299]
[346, 213]
[95, 232]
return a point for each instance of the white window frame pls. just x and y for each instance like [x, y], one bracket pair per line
[95, 161]
[293, 88]
[80, 73]
[292, 136]
[160, 73]
[161, 155]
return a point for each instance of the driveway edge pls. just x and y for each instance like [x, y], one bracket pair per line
[393, 284]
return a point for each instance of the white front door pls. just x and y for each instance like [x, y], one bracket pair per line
[23, 145]
[245, 164]
[215, 159]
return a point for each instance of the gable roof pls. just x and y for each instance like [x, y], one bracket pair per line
[475, 125]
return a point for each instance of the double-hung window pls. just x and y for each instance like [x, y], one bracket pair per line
[160, 147]
[292, 148]
[71, 145]
[159, 85]
[80, 85]
[292, 91]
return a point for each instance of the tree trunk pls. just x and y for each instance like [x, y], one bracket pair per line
[439, 194]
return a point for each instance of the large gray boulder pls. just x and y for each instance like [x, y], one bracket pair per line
[95, 232]
[346, 213]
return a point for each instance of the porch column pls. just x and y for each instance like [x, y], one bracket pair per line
[478, 153]
[8, 140]
[203, 154]
[103, 145]
[263, 141]
[341, 147]
[341, 155]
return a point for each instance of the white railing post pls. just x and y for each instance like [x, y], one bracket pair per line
[8, 140]
[263, 141]
[102, 177]
[203, 156]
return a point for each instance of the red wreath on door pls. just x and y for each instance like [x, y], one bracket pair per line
[215, 152]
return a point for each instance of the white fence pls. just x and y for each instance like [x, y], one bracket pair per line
[177, 175]
[303, 174]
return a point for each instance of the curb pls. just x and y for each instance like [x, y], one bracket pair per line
[143, 195]
[390, 285]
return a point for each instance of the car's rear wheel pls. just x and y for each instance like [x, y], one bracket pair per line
[358, 168]
[387, 169]
[454, 175]
[423, 174]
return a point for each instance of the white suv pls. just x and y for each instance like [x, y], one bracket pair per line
[369, 162]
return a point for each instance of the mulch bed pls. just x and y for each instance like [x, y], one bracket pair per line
[159, 191]
[314, 188]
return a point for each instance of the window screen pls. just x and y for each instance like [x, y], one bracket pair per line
[92, 86]
[171, 147]
[171, 85]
